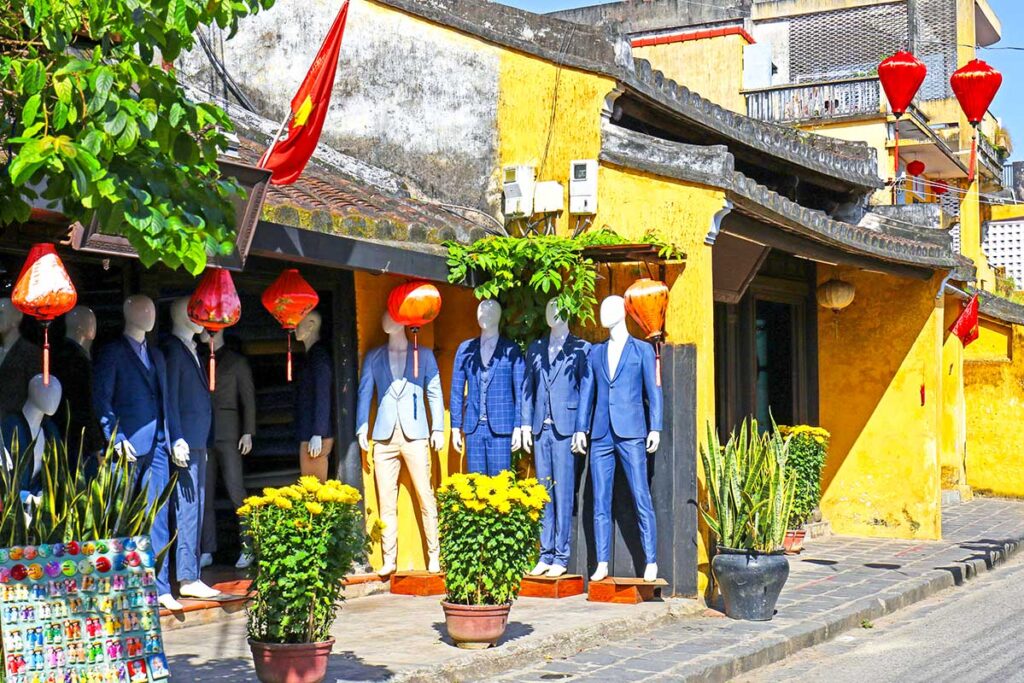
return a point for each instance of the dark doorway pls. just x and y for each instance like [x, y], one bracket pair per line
[774, 345]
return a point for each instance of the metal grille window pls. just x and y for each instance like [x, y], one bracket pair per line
[935, 45]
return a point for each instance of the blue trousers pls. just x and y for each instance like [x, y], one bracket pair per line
[633, 456]
[152, 473]
[486, 452]
[556, 469]
[188, 509]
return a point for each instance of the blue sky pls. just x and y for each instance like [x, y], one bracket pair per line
[1009, 104]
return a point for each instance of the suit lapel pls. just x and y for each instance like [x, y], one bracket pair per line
[196, 363]
[626, 349]
[138, 361]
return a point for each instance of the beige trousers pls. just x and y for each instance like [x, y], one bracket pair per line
[387, 465]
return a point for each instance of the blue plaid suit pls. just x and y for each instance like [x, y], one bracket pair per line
[488, 442]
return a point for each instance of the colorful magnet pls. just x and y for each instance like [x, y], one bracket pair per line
[132, 558]
[89, 548]
[16, 553]
[85, 567]
[68, 568]
[35, 570]
[43, 550]
[102, 564]
[53, 568]
[72, 547]
[30, 552]
[18, 572]
[5, 575]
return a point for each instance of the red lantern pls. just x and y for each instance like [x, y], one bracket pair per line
[646, 302]
[414, 304]
[975, 85]
[289, 299]
[915, 168]
[44, 291]
[215, 305]
[940, 189]
[902, 75]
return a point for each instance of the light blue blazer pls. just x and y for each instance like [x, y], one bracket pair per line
[400, 404]
[617, 403]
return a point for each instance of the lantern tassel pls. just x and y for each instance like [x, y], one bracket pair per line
[46, 354]
[896, 154]
[213, 368]
[657, 362]
[415, 352]
[974, 157]
[289, 332]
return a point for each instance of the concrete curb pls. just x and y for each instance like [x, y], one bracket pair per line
[771, 648]
[484, 664]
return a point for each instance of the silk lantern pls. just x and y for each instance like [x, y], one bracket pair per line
[215, 305]
[646, 302]
[975, 85]
[835, 294]
[940, 189]
[414, 304]
[44, 291]
[901, 75]
[289, 299]
[916, 167]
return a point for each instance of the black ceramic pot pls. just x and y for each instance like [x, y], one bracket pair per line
[750, 582]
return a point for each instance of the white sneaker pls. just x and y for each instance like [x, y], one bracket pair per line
[651, 573]
[198, 590]
[434, 565]
[244, 560]
[556, 571]
[601, 572]
[387, 570]
[541, 568]
[167, 601]
[205, 560]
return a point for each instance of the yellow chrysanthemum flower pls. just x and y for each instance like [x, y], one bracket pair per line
[534, 515]
[283, 503]
[244, 510]
[310, 483]
[314, 508]
[270, 492]
[253, 501]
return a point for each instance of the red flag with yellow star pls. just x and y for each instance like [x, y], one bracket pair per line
[287, 157]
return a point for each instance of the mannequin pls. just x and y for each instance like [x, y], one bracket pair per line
[623, 379]
[314, 400]
[234, 423]
[556, 368]
[20, 360]
[130, 398]
[73, 364]
[400, 433]
[189, 418]
[33, 427]
[486, 397]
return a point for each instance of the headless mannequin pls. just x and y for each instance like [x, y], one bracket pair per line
[488, 317]
[308, 332]
[613, 319]
[43, 401]
[217, 341]
[556, 340]
[10, 320]
[184, 329]
[81, 327]
[139, 318]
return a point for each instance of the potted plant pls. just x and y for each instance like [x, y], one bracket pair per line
[304, 538]
[490, 534]
[749, 497]
[806, 456]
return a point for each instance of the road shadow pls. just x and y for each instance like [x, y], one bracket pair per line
[344, 665]
[513, 631]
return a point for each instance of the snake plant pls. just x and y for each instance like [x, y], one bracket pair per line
[749, 491]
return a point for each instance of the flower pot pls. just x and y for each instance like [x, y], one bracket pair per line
[750, 582]
[794, 541]
[291, 662]
[475, 627]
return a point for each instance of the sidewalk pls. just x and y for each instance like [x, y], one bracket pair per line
[834, 586]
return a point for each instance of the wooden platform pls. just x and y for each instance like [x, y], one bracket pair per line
[625, 591]
[564, 586]
[417, 583]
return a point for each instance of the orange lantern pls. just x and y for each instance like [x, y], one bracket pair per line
[414, 304]
[215, 305]
[44, 291]
[646, 302]
[289, 299]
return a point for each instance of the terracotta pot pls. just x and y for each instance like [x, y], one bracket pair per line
[794, 541]
[291, 662]
[475, 627]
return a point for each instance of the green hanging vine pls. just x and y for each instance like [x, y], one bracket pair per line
[523, 273]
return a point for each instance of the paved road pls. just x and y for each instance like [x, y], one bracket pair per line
[975, 634]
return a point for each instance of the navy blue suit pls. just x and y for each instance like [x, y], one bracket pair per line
[495, 388]
[189, 417]
[15, 430]
[551, 396]
[613, 412]
[314, 396]
[131, 401]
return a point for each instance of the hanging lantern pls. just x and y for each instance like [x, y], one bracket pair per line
[975, 85]
[916, 168]
[835, 294]
[414, 304]
[901, 75]
[215, 305]
[646, 302]
[290, 299]
[44, 291]
[940, 189]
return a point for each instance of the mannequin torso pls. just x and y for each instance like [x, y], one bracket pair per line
[618, 335]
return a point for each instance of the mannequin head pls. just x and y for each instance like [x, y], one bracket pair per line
[81, 325]
[613, 311]
[488, 315]
[42, 397]
[308, 329]
[10, 318]
[552, 315]
[139, 313]
[389, 325]
[183, 325]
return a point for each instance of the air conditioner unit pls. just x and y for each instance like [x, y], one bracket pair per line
[518, 185]
[548, 197]
[583, 187]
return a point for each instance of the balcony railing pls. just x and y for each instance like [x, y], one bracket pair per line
[815, 101]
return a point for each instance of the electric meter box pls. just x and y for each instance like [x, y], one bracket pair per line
[583, 187]
[518, 185]
[548, 197]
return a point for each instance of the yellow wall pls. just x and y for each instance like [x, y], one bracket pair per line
[712, 67]
[1005, 212]
[994, 391]
[882, 473]
[952, 410]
